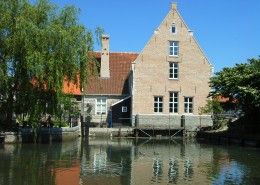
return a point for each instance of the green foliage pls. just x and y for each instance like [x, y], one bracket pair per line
[40, 46]
[60, 123]
[240, 84]
[212, 107]
[69, 106]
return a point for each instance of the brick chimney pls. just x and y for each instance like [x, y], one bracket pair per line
[104, 66]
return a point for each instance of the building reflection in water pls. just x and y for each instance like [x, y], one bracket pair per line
[123, 162]
[100, 162]
[188, 168]
[157, 169]
[173, 171]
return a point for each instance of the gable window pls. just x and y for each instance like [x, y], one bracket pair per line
[173, 29]
[173, 70]
[173, 102]
[158, 104]
[173, 48]
[188, 104]
[101, 105]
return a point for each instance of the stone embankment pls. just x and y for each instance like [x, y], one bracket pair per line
[42, 135]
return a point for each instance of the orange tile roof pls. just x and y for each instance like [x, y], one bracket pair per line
[117, 84]
[71, 87]
[223, 99]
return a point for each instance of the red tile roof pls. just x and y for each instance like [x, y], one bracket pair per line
[222, 99]
[117, 84]
[71, 87]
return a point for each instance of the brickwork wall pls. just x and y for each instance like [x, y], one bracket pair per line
[151, 69]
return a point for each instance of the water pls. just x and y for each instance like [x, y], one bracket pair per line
[128, 161]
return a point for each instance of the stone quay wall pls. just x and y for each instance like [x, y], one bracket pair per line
[42, 135]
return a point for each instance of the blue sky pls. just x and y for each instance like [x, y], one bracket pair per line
[227, 30]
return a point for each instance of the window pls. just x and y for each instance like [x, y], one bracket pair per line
[173, 102]
[158, 104]
[101, 106]
[173, 29]
[188, 104]
[124, 108]
[173, 70]
[173, 48]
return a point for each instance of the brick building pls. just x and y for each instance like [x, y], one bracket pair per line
[106, 99]
[171, 74]
[166, 80]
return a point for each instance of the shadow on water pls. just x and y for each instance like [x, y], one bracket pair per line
[128, 161]
[43, 135]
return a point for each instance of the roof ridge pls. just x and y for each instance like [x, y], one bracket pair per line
[119, 52]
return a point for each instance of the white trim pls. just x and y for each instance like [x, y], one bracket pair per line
[173, 68]
[96, 103]
[173, 102]
[175, 44]
[189, 104]
[157, 102]
[121, 101]
[124, 109]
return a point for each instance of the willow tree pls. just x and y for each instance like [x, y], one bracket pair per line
[40, 45]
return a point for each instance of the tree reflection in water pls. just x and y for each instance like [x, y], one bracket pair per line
[118, 162]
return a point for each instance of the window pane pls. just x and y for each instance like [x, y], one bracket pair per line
[158, 103]
[101, 106]
[171, 51]
[173, 29]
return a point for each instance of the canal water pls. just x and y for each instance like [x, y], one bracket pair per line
[128, 162]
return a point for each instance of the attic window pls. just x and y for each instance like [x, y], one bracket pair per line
[173, 29]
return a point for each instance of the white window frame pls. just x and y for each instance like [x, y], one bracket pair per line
[188, 104]
[124, 108]
[174, 48]
[173, 70]
[158, 104]
[173, 102]
[175, 28]
[101, 102]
